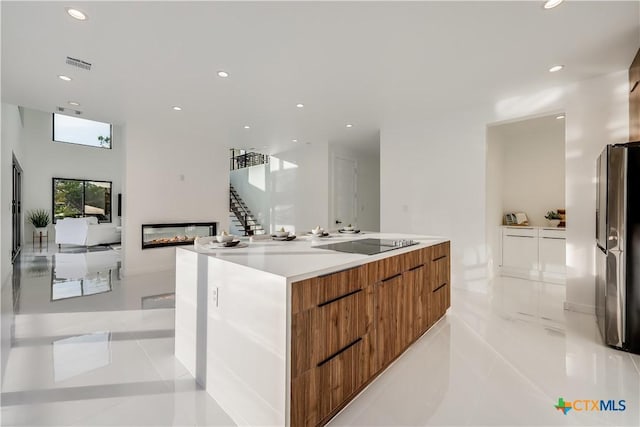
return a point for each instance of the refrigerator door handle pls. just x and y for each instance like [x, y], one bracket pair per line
[616, 301]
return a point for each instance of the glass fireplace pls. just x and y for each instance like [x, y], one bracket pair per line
[160, 235]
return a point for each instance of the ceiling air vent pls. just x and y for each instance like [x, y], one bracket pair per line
[79, 63]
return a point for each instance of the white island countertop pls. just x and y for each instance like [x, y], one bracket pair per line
[234, 315]
[299, 259]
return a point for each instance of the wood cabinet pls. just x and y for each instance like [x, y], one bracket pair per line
[439, 278]
[391, 319]
[349, 325]
[634, 99]
[331, 343]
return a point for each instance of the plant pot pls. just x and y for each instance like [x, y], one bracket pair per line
[42, 230]
[553, 222]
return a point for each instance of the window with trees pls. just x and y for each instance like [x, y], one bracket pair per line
[75, 198]
[75, 130]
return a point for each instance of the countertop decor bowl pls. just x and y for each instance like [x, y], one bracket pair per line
[224, 238]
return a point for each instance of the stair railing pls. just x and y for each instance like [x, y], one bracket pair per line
[240, 211]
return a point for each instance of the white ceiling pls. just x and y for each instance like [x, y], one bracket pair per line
[355, 62]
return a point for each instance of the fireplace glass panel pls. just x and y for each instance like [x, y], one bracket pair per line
[159, 235]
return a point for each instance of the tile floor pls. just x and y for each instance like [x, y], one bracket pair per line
[501, 358]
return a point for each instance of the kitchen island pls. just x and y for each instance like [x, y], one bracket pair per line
[287, 333]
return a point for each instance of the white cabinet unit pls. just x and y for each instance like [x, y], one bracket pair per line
[552, 252]
[535, 253]
[520, 248]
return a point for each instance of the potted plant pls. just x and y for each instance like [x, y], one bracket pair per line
[39, 218]
[553, 217]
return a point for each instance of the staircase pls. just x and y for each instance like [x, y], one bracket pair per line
[243, 219]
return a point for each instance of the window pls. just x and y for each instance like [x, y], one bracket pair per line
[74, 198]
[75, 130]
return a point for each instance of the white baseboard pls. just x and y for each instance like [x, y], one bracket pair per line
[579, 308]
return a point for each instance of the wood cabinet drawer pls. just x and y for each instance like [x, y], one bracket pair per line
[385, 268]
[437, 251]
[319, 333]
[439, 271]
[320, 391]
[317, 290]
[440, 300]
[412, 260]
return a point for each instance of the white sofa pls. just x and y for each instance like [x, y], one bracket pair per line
[85, 232]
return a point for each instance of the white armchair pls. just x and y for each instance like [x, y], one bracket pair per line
[85, 232]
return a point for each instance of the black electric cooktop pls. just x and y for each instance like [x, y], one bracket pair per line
[368, 246]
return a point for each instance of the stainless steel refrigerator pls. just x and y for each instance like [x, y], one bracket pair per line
[618, 246]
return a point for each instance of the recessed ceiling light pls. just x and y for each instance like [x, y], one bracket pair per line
[560, 117]
[294, 140]
[550, 4]
[349, 125]
[74, 103]
[223, 74]
[65, 78]
[300, 105]
[176, 108]
[247, 127]
[556, 68]
[77, 14]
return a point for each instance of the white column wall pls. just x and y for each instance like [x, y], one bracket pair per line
[11, 129]
[173, 173]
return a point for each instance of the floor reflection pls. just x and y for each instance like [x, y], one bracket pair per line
[501, 358]
[77, 349]
[78, 355]
[83, 274]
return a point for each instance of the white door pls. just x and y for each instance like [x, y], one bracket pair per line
[345, 193]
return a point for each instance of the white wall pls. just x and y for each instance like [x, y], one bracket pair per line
[494, 209]
[173, 173]
[444, 181]
[11, 129]
[10, 144]
[368, 182]
[45, 159]
[533, 156]
[291, 191]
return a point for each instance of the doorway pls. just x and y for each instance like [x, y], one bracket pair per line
[16, 209]
[345, 191]
[525, 194]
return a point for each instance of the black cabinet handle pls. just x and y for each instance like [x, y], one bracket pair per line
[439, 258]
[416, 267]
[339, 298]
[339, 351]
[440, 287]
[392, 277]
